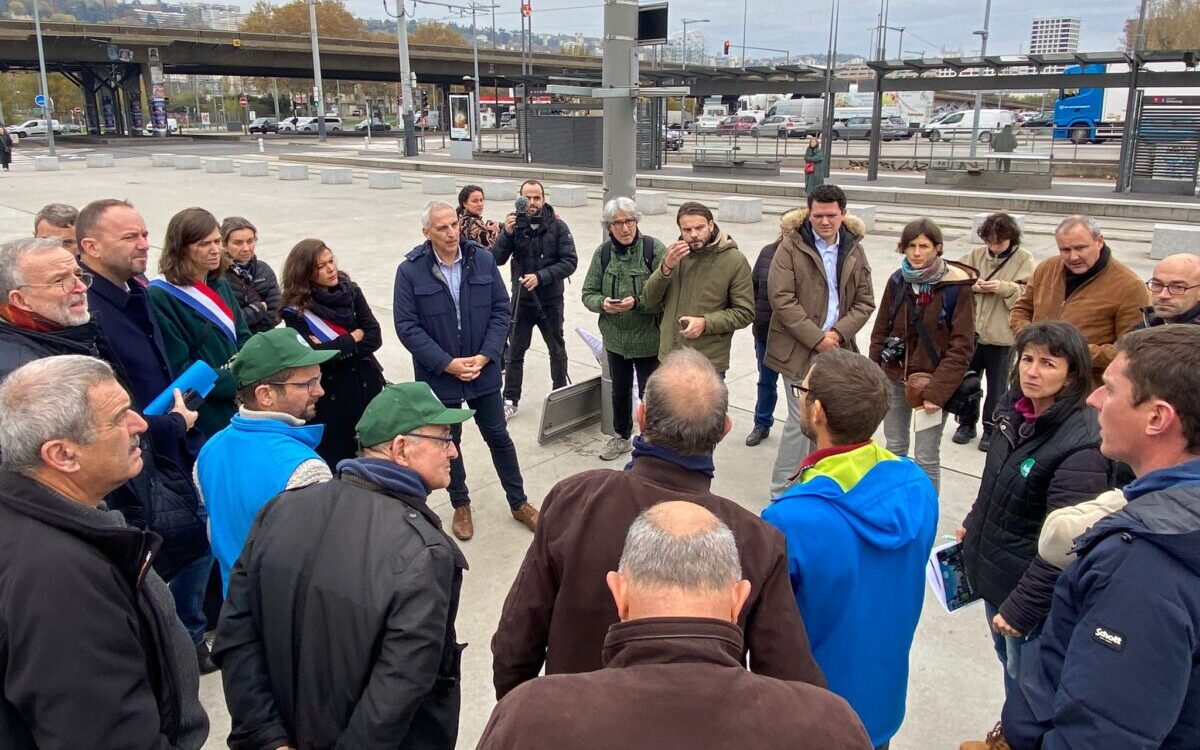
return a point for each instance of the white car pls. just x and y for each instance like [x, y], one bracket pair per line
[705, 124]
[172, 127]
[288, 124]
[34, 127]
[333, 124]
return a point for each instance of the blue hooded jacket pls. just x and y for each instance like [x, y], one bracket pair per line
[1118, 661]
[860, 526]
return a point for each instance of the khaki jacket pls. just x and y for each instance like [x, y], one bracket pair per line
[799, 296]
[1104, 308]
[1062, 527]
[713, 282]
[992, 310]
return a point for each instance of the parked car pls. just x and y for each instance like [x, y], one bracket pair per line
[508, 120]
[672, 139]
[34, 127]
[375, 125]
[333, 124]
[71, 127]
[172, 128]
[288, 125]
[960, 124]
[706, 124]
[781, 126]
[860, 128]
[263, 125]
[1039, 120]
[738, 124]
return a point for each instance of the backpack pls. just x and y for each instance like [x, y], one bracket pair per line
[647, 254]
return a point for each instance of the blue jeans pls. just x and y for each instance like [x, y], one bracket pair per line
[187, 588]
[768, 390]
[489, 418]
[1009, 649]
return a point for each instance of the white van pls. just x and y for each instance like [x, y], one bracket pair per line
[34, 127]
[810, 110]
[960, 124]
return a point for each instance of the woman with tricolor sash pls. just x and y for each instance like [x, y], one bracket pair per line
[329, 310]
[196, 310]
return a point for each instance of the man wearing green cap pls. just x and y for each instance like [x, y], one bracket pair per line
[267, 447]
[339, 625]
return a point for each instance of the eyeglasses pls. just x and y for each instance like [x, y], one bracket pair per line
[800, 391]
[1175, 290]
[67, 283]
[621, 224]
[312, 384]
[445, 441]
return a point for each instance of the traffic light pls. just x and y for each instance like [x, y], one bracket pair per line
[727, 46]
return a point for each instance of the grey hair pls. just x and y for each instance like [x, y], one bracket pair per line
[430, 207]
[56, 215]
[704, 560]
[46, 400]
[1077, 220]
[686, 403]
[13, 252]
[622, 204]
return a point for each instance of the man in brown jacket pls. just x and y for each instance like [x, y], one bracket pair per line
[1086, 287]
[673, 674]
[558, 610]
[821, 297]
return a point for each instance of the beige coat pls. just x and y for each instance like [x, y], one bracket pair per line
[800, 299]
[992, 310]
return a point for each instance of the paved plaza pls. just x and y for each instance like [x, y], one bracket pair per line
[955, 687]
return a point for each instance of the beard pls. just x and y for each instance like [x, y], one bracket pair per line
[68, 318]
[806, 428]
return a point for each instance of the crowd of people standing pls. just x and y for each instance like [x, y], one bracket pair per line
[216, 447]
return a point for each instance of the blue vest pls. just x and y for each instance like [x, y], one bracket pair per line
[240, 469]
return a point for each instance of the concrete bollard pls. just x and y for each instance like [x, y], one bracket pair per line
[865, 213]
[99, 160]
[736, 209]
[293, 172]
[500, 190]
[187, 161]
[652, 202]
[337, 176]
[1169, 239]
[254, 168]
[162, 160]
[261, 148]
[384, 180]
[45, 163]
[218, 166]
[567, 196]
[437, 184]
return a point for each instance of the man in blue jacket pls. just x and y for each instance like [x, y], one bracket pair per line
[451, 313]
[1118, 662]
[860, 524]
[267, 447]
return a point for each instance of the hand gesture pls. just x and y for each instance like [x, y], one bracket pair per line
[829, 341]
[987, 287]
[465, 369]
[529, 281]
[691, 327]
[180, 408]
[357, 334]
[675, 253]
[1001, 626]
[930, 407]
[510, 222]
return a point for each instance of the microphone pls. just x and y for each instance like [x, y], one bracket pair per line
[522, 205]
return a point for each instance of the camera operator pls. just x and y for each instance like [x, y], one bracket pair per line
[543, 255]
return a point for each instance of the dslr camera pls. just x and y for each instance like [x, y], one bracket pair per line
[893, 350]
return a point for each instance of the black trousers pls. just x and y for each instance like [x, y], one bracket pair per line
[993, 363]
[549, 320]
[621, 369]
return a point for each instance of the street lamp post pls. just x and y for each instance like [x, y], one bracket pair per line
[830, 64]
[983, 36]
[478, 83]
[745, 10]
[47, 111]
[687, 21]
[406, 92]
[316, 54]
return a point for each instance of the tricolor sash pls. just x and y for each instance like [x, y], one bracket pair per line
[324, 330]
[206, 303]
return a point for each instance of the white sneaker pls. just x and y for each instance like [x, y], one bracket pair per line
[615, 446]
[510, 410]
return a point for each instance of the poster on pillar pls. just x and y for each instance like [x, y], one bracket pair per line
[158, 107]
[106, 106]
[460, 117]
[135, 109]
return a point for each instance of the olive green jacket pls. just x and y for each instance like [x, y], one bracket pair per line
[634, 333]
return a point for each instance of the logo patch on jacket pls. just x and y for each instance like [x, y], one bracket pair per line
[1107, 637]
[1026, 467]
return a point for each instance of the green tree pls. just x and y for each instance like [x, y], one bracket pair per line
[439, 34]
[1170, 24]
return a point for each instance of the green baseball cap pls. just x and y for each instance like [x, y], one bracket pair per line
[277, 349]
[401, 408]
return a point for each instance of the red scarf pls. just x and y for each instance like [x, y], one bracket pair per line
[30, 321]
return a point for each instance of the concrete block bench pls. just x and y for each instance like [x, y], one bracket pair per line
[566, 196]
[651, 202]
[1169, 239]
[864, 212]
[978, 219]
[254, 169]
[187, 161]
[218, 166]
[99, 160]
[384, 180]
[337, 176]
[162, 160]
[501, 190]
[739, 210]
[437, 184]
[45, 163]
[293, 172]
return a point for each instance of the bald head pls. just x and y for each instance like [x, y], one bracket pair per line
[679, 560]
[1180, 272]
[685, 404]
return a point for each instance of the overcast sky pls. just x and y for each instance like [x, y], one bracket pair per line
[930, 24]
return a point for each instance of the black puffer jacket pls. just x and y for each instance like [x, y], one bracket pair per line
[259, 300]
[547, 250]
[1033, 470]
[762, 301]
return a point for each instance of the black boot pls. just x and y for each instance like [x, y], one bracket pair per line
[757, 435]
[965, 433]
[204, 659]
[985, 442]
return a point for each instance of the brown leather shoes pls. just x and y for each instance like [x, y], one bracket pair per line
[462, 526]
[527, 515]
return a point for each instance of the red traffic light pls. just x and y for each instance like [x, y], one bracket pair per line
[727, 46]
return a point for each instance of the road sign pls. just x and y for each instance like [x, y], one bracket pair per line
[526, 9]
[40, 100]
[242, 100]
